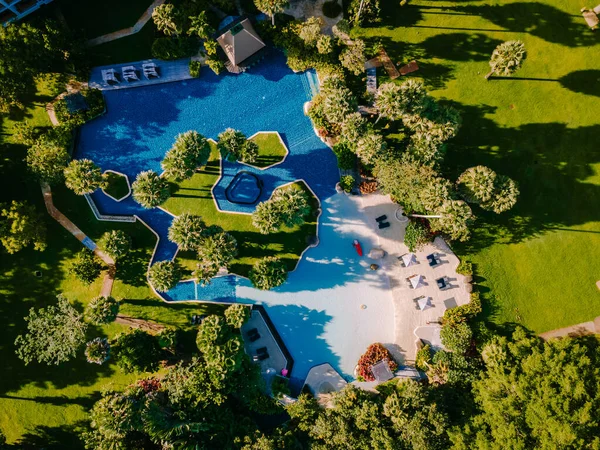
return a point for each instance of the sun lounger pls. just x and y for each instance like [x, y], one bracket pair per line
[110, 76]
[253, 335]
[433, 260]
[383, 225]
[442, 283]
[261, 354]
[381, 218]
[150, 70]
[130, 73]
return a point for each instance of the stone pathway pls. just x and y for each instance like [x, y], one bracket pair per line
[109, 277]
[126, 31]
[580, 329]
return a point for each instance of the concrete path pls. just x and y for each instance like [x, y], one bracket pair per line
[591, 327]
[109, 277]
[408, 316]
[126, 31]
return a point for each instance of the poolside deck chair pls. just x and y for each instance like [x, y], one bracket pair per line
[381, 218]
[253, 335]
[433, 260]
[261, 354]
[130, 73]
[150, 70]
[442, 283]
[383, 225]
[110, 76]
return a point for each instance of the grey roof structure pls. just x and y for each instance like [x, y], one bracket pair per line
[240, 42]
[381, 371]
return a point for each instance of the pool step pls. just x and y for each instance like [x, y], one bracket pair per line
[310, 83]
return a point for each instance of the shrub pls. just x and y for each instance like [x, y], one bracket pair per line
[417, 234]
[237, 315]
[457, 337]
[195, 68]
[136, 351]
[97, 351]
[463, 313]
[102, 310]
[280, 386]
[116, 243]
[164, 275]
[215, 64]
[168, 338]
[47, 161]
[465, 268]
[82, 176]
[94, 102]
[174, 48]
[86, 267]
[375, 353]
[268, 273]
[423, 358]
[345, 157]
[331, 9]
[347, 183]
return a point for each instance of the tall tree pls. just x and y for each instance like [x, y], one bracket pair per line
[20, 225]
[116, 244]
[190, 151]
[136, 351]
[455, 216]
[310, 31]
[271, 7]
[231, 142]
[54, 334]
[86, 266]
[353, 57]
[167, 19]
[102, 310]
[388, 101]
[200, 26]
[150, 190]
[507, 58]
[268, 273]
[47, 161]
[370, 148]
[506, 192]
[82, 176]
[164, 275]
[481, 185]
[97, 351]
[216, 250]
[338, 100]
[187, 231]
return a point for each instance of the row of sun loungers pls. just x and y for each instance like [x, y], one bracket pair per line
[130, 74]
[381, 222]
[261, 353]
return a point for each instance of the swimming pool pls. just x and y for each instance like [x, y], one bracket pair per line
[245, 188]
[319, 312]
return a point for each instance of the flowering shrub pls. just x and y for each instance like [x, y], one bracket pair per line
[375, 353]
[149, 384]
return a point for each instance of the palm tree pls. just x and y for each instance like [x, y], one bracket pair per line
[271, 7]
[476, 184]
[507, 58]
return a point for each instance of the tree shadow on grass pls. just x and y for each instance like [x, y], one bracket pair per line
[537, 19]
[582, 81]
[52, 438]
[550, 161]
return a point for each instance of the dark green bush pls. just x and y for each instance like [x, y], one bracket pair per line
[94, 100]
[465, 268]
[416, 235]
[174, 48]
[195, 68]
[215, 64]
[347, 183]
[423, 358]
[346, 157]
[331, 9]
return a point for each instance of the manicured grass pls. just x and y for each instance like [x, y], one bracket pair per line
[195, 196]
[117, 185]
[42, 406]
[270, 149]
[98, 19]
[536, 265]
[126, 49]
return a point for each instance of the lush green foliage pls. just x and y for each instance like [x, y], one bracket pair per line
[150, 190]
[345, 157]
[167, 19]
[164, 275]
[187, 231]
[353, 57]
[347, 183]
[189, 152]
[136, 351]
[54, 334]
[288, 206]
[116, 186]
[20, 225]
[195, 68]
[115, 243]
[423, 357]
[97, 351]
[101, 310]
[86, 266]
[82, 176]
[215, 64]
[417, 235]
[369, 10]
[47, 161]
[271, 7]
[465, 268]
[508, 57]
[234, 143]
[217, 248]
[268, 273]
[174, 48]
[375, 353]
[95, 105]
[481, 185]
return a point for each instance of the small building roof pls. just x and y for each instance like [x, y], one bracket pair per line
[240, 42]
[381, 371]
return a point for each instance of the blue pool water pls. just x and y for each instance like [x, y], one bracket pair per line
[245, 188]
[317, 312]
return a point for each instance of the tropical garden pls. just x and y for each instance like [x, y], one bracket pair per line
[490, 144]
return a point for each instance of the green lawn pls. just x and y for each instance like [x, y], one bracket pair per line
[270, 149]
[39, 405]
[98, 19]
[536, 265]
[117, 185]
[195, 196]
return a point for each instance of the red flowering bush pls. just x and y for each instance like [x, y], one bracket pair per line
[375, 353]
[149, 384]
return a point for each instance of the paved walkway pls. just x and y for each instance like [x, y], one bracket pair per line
[408, 316]
[126, 31]
[591, 327]
[109, 277]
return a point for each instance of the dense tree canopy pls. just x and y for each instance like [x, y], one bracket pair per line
[82, 176]
[20, 225]
[136, 351]
[187, 231]
[288, 206]
[116, 243]
[268, 273]
[101, 310]
[47, 161]
[164, 275]
[54, 334]
[190, 151]
[150, 190]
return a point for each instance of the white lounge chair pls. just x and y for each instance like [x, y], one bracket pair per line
[109, 76]
[150, 70]
[130, 73]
